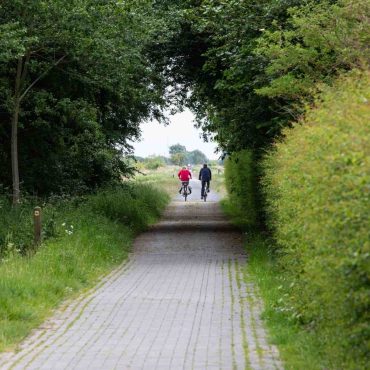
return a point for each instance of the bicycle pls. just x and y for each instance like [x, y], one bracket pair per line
[205, 192]
[185, 190]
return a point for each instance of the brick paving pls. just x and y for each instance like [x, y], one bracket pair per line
[180, 302]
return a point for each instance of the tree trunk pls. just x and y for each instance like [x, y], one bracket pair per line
[17, 99]
[14, 137]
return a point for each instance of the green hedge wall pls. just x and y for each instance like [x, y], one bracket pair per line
[240, 181]
[317, 186]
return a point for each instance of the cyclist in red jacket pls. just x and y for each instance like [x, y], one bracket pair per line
[184, 175]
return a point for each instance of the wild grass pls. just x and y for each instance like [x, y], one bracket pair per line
[298, 347]
[92, 237]
[163, 178]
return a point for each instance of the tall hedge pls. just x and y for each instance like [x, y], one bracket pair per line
[240, 180]
[317, 185]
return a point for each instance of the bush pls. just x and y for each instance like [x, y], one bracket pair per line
[317, 189]
[153, 163]
[240, 180]
[133, 205]
[16, 224]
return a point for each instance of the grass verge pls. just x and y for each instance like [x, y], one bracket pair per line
[298, 347]
[93, 237]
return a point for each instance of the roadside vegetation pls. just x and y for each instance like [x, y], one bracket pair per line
[298, 347]
[242, 201]
[312, 262]
[84, 239]
[317, 192]
[164, 178]
[282, 86]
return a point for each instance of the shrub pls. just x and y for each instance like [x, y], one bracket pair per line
[16, 224]
[133, 205]
[317, 189]
[153, 163]
[240, 180]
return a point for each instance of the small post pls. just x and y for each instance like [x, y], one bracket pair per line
[37, 225]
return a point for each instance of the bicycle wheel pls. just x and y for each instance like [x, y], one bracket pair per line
[185, 193]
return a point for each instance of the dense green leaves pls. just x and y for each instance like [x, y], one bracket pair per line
[246, 68]
[319, 42]
[240, 181]
[211, 60]
[85, 87]
[317, 191]
[91, 71]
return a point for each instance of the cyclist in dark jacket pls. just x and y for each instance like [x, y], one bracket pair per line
[205, 175]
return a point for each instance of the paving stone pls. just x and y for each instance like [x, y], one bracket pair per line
[179, 303]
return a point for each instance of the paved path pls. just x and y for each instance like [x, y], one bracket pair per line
[178, 303]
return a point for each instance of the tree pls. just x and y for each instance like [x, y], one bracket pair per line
[212, 62]
[178, 158]
[34, 31]
[75, 81]
[243, 67]
[319, 41]
[177, 148]
[196, 157]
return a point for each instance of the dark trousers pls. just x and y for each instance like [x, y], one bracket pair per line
[204, 183]
[183, 183]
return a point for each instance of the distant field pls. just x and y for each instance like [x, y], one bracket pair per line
[166, 178]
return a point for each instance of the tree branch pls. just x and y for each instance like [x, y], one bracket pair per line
[25, 68]
[41, 76]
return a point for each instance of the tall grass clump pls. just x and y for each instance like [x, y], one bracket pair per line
[240, 181]
[16, 223]
[318, 195]
[92, 236]
[143, 204]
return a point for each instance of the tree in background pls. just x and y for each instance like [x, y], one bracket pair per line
[177, 148]
[178, 159]
[179, 155]
[196, 157]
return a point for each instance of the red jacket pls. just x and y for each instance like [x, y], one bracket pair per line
[184, 175]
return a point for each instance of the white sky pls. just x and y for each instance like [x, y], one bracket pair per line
[157, 138]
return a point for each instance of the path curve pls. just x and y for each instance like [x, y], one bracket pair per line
[180, 302]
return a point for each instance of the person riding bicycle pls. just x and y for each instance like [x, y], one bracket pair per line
[184, 175]
[205, 175]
